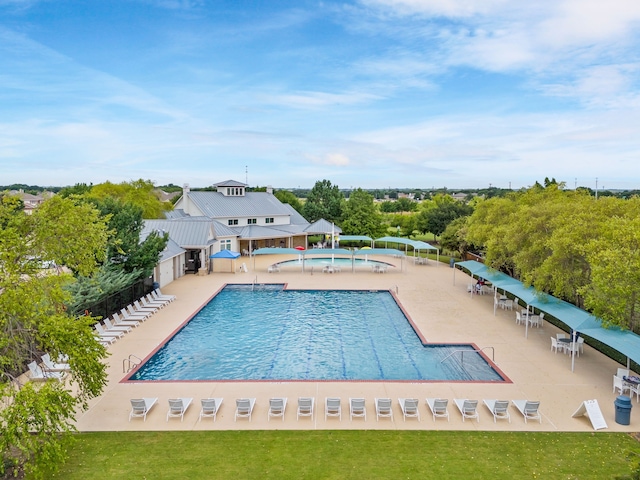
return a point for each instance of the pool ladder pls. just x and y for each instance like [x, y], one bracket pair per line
[493, 353]
[130, 363]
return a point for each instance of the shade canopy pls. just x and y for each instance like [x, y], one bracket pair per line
[225, 254]
[624, 341]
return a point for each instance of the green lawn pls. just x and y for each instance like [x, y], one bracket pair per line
[349, 455]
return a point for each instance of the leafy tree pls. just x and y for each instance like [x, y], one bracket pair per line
[435, 220]
[285, 196]
[614, 256]
[138, 192]
[324, 201]
[360, 216]
[77, 189]
[405, 204]
[35, 419]
[124, 248]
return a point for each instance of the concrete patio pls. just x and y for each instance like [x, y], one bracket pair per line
[444, 313]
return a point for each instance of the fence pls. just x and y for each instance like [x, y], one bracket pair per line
[115, 302]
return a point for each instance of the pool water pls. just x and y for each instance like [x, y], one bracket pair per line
[268, 333]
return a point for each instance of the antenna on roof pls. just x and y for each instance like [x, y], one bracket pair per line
[246, 175]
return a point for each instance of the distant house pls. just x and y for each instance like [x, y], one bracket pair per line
[31, 202]
[461, 197]
[231, 218]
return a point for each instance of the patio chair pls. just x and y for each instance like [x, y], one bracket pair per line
[555, 345]
[132, 316]
[305, 407]
[244, 408]
[499, 409]
[120, 321]
[139, 308]
[147, 302]
[468, 408]
[623, 372]
[332, 408]
[141, 406]
[357, 408]
[37, 373]
[158, 295]
[116, 328]
[561, 335]
[177, 407]
[277, 406]
[383, 408]
[620, 385]
[572, 348]
[438, 407]
[210, 408]
[528, 409]
[409, 407]
[131, 310]
[507, 304]
[541, 315]
[104, 334]
[51, 366]
[518, 318]
[581, 344]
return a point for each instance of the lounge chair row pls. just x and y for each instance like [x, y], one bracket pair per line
[333, 408]
[131, 316]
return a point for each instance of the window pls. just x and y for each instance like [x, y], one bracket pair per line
[251, 221]
[225, 245]
[268, 220]
[233, 221]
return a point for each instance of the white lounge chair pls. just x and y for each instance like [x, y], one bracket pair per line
[51, 366]
[210, 408]
[468, 408]
[120, 321]
[305, 407]
[104, 334]
[177, 407]
[149, 303]
[130, 315]
[139, 308]
[332, 408]
[438, 407]
[383, 408]
[499, 409]
[116, 328]
[277, 407]
[409, 407]
[528, 409]
[39, 374]
[357, 408]
[157, 293]
[244, 408]
[141, 406]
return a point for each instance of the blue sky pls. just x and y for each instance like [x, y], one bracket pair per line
[364, 93]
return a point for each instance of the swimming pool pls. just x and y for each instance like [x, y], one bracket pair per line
[269, 333]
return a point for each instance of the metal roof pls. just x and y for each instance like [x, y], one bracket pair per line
[252, 204]
[323, 226]
[188, 232]
[230, 183]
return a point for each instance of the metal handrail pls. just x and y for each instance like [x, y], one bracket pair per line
[493, 353]
[128, 365]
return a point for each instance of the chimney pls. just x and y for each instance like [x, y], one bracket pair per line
[270, 189]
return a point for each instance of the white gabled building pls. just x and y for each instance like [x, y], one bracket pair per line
[231, 218]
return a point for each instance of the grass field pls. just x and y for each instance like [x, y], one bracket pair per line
[350, 455]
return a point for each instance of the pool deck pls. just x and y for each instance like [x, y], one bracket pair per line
[444, 313]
